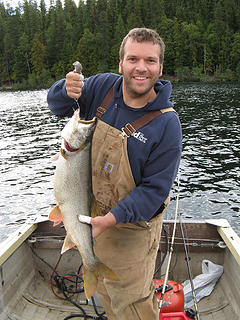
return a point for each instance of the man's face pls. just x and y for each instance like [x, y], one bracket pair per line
[140, 67]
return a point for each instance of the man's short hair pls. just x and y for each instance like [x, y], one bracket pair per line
[140, 35]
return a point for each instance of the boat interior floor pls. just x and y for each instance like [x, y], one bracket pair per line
[217, 306]
[39, 303]
[26, 292]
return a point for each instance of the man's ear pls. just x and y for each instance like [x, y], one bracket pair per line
[120, 66]
[161, 69]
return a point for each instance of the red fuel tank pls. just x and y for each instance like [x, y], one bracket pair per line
[173, 300]
[174, 316]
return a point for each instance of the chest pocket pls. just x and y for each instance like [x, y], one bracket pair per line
[106, 151]
[112, 178]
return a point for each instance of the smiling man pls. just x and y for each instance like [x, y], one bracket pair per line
[136, 151]
[141, 67]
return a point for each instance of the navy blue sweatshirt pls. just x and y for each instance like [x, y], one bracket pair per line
[154, 151]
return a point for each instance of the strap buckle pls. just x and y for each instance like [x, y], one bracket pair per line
[128, 130]
[124, 134]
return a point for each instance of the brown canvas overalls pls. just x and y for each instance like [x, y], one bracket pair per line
[128, 249]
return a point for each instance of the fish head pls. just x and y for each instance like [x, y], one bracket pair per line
[77, 132]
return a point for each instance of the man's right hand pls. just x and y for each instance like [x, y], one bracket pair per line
[73, 85]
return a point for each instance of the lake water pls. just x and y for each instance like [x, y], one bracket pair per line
[209, 179]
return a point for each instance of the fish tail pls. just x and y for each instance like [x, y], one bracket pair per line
[91, 278]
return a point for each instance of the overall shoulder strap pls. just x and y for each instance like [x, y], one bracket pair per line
[130, 128]
[106, 101]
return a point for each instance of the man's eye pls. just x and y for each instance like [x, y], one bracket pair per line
[151, 61]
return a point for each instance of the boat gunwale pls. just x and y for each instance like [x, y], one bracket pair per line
[14, 241]
[229, 236]
[231, 240]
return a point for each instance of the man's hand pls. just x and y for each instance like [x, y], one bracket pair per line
[74, 84]
[100, 223]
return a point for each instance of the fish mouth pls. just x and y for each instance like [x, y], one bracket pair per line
[68, 148]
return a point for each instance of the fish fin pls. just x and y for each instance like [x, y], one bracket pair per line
[55, 215]
[55, 157]
[106, 272]
[91, 278]
[68, 244]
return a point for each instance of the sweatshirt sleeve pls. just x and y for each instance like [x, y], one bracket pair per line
[93, 92]
[59, 102]
[159, 173]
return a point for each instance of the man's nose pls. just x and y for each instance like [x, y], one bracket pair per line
[141, 65]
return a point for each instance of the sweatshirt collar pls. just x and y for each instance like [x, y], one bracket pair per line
[163, 89]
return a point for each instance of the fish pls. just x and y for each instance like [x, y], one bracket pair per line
[73, 195]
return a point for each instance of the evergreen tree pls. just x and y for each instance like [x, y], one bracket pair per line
[119, 34]
[12, 32]
[38, 54]
[55, 39]
[202, 37]
[89, 15]
[43, 22]
[31, 18]
[22, 65]
[4, 70]
[235, 54]
[87, 53]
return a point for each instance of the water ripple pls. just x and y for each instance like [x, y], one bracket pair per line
[209, 186]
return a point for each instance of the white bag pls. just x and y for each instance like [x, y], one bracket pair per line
[203, 283]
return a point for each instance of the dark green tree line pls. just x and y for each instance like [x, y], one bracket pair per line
[39, 44]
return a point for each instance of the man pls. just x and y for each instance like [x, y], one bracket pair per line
[134, 164]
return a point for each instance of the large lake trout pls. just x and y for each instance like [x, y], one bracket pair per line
[73, 194]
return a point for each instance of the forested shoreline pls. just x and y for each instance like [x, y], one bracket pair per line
[38, 44]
